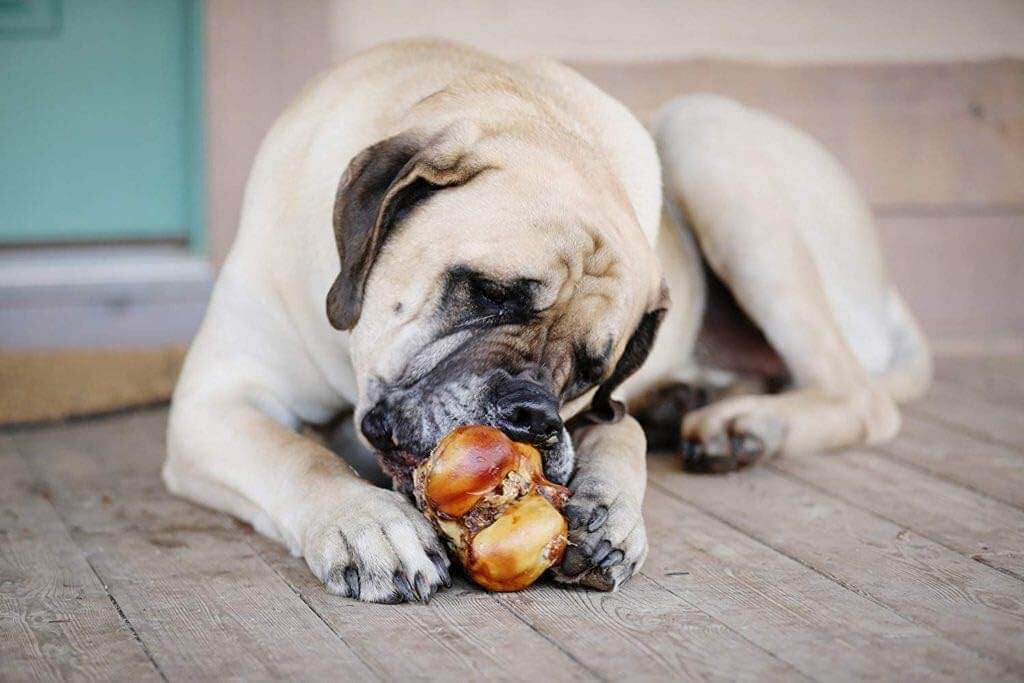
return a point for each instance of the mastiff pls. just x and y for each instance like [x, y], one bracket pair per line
[432, 236]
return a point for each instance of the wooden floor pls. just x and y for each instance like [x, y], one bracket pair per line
[901, 562]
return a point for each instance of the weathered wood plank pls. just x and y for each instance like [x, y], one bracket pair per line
[460, 635]
[968, 602]
[57, 622]
[482, 639]
[203, 602]
[784, 580]
[451, 636]
[988, 467]
[948, 403]
[999, 379]
[643, 632]
[959, 127]
[977, 526]
[794, 612]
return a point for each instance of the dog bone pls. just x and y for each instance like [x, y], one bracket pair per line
[488, 498]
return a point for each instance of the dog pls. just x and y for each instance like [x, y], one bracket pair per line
[496, 252]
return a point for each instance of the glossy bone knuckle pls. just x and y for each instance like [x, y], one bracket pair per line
[488, 497]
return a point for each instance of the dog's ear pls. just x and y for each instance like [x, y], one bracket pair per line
[381, 185]
[604, 408]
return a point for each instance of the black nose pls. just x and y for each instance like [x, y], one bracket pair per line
[527, 412]
[377, 428]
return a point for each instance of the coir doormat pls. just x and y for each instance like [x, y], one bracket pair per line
[45, 386]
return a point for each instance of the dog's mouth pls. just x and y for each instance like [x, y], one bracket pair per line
[399, 464]
[405, 425]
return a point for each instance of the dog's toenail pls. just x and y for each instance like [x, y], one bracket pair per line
[576, 516]
[575, 562]
[601, 552]
[422, 588]
[442, 568]
[352, 581]
[747, 447]
[613, 558]
[403, 586]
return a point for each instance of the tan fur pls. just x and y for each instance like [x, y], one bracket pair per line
[783, 226]
[565, 189]
[564, 164]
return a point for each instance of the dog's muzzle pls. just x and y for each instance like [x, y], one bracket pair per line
[404, 426]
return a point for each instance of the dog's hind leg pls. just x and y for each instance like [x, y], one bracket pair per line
[782, 226]
[833, 402]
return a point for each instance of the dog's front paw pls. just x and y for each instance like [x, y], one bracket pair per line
[378, 548]
[607, 539]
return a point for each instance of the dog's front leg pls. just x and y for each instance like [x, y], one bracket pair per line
[361, 541]
[607, 539]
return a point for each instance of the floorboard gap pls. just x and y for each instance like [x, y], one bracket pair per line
[935, 418]
[923, 534]
[835, 579]
[554, 643]
[312, 609]
[126, 621]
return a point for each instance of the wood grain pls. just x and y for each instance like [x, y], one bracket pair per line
[258, 55]
[460, 635]
[57, 621]
[975, 525]
[946, 451]
[950, 404]
[999, 379]
[960, 274]
[937, 148]
[202, 601]
[643, 632]
[903, 559]
[968, 602]
[807, 620]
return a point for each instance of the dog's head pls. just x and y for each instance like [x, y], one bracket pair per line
[487, 279]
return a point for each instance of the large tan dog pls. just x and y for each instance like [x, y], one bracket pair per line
[494, 259]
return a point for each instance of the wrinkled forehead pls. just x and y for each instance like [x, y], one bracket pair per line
[507, 227]
[547, 208]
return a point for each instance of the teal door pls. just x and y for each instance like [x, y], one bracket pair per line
[99, 120]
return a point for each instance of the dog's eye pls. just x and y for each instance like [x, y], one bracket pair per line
[588, 370]
[491, 301]
[592, 372]
[491, 293]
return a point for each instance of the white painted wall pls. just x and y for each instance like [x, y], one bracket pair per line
[770, 30]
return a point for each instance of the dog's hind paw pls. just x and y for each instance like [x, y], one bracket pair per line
[607, 538]
[722, 455]
[730, 435]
